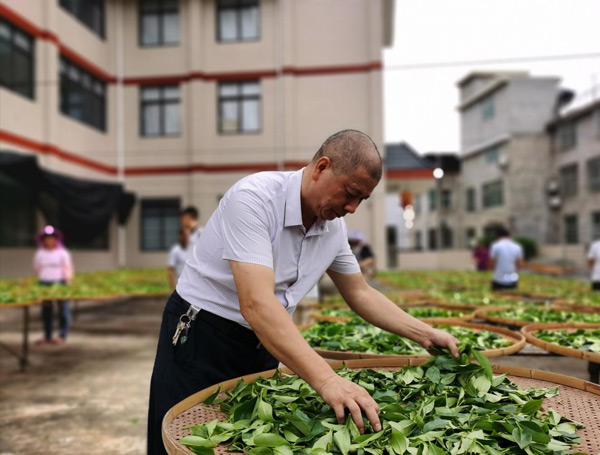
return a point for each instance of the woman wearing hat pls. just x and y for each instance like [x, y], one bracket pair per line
[52, 264]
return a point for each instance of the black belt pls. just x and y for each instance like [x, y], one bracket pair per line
[229, 327]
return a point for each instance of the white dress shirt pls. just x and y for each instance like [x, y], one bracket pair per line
[259, 221]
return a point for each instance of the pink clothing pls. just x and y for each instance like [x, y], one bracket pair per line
[53, 265]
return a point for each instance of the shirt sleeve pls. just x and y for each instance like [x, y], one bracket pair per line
[245, 229]
[68, 270]
[345, 261]
[494, 251]
[171, 258]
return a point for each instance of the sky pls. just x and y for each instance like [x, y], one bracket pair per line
[420, 103]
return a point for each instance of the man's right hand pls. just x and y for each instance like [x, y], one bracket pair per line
[342, 394]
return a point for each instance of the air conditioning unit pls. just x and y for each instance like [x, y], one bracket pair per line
[555, 202]
[552, 186]
[503, 161]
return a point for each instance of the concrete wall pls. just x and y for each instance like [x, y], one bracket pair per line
[435, 260]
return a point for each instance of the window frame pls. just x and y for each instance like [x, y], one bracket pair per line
[486, 203]
[471, 199]
[569, 185]
[239, 98]
[567, 136]
[593, 185]
[566, 233]
[594, 225]
[161, 11]
[29, 92]
[488, 108]
[237, 8]
[99, 4]
[167, 203]
[432, 198]
[89, 96]
[162, 103]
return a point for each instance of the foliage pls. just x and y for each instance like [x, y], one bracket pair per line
[533, 313]
[446, 406]
[583, 339]
[530, 248]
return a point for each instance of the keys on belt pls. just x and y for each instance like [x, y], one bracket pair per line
[185, 321]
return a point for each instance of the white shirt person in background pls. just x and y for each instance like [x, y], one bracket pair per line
[506, 258]
[593, 258]
[179, 253]
[190, 221]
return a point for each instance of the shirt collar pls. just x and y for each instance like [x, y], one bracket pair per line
[293, 208]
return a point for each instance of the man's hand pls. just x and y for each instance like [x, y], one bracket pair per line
[341, 394]
[441, 339]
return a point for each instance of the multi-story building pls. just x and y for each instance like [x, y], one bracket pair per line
[176, 100]
[524, 164]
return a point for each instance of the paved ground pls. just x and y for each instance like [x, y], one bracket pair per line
[90, 396]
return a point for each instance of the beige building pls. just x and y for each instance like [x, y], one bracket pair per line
[175, 101]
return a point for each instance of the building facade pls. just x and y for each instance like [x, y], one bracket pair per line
[527, 162]
[176, 100]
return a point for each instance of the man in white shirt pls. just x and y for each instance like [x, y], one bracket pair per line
[179, 253]
[594, 263]
[190, 221]
[506, 257]
[271, 238]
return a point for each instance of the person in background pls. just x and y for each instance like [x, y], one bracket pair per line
[593, 258]
[189, 220]
[362, 251]
[481, 256]
[180, 252]
[506, 257]
[52, 264]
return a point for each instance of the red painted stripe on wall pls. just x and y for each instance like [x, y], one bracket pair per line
[47, 149]
[409, 174]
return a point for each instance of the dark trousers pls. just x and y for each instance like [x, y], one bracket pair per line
[499, 286]
[216, 350]
[64, 307]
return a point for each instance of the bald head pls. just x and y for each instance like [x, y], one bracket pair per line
[349, 150]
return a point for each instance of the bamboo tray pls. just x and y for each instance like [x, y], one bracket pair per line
[483, 314]
[566, 305]
[529, 330]
[317, 316]
[518, 342]
[577, 399]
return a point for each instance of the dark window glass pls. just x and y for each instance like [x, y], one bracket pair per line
[432, 200]
[470, 234]
[446, 199]
[568, 180]
[90, 12]
[18, 209]
[159, 22]
[492, 155]
[82, 96]
[487, 108]
[418, 240]
[239, 107]
[492, 194]
[571, 229]
[567, 136]
[159, 112]
[432, 239]
[447, 237]
[159, 224]
[16, 59]
[595, 223]
[470, 199]
[593, 174]
[238, 20]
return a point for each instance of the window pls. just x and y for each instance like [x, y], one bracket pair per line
[447, 236]
[159, 112]
[571, 229]
[595, 226]
[16, 55]
[470, 200]
[239, 107]
[238, 20]
[568, 180]
[418, 240]
[159, 224]
[432, 200]
[17, 205]
[446, 199]
[593, 174]
[470, 235]
[492, 194]
[567, 136]
[432, 238]
[417, 206]
[491, 155]
[487, 108]
[159, 22]
[82, 96]
[90, 12]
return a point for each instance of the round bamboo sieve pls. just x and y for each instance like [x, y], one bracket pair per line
[577, 399]
[517, 339]
[529, 332]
